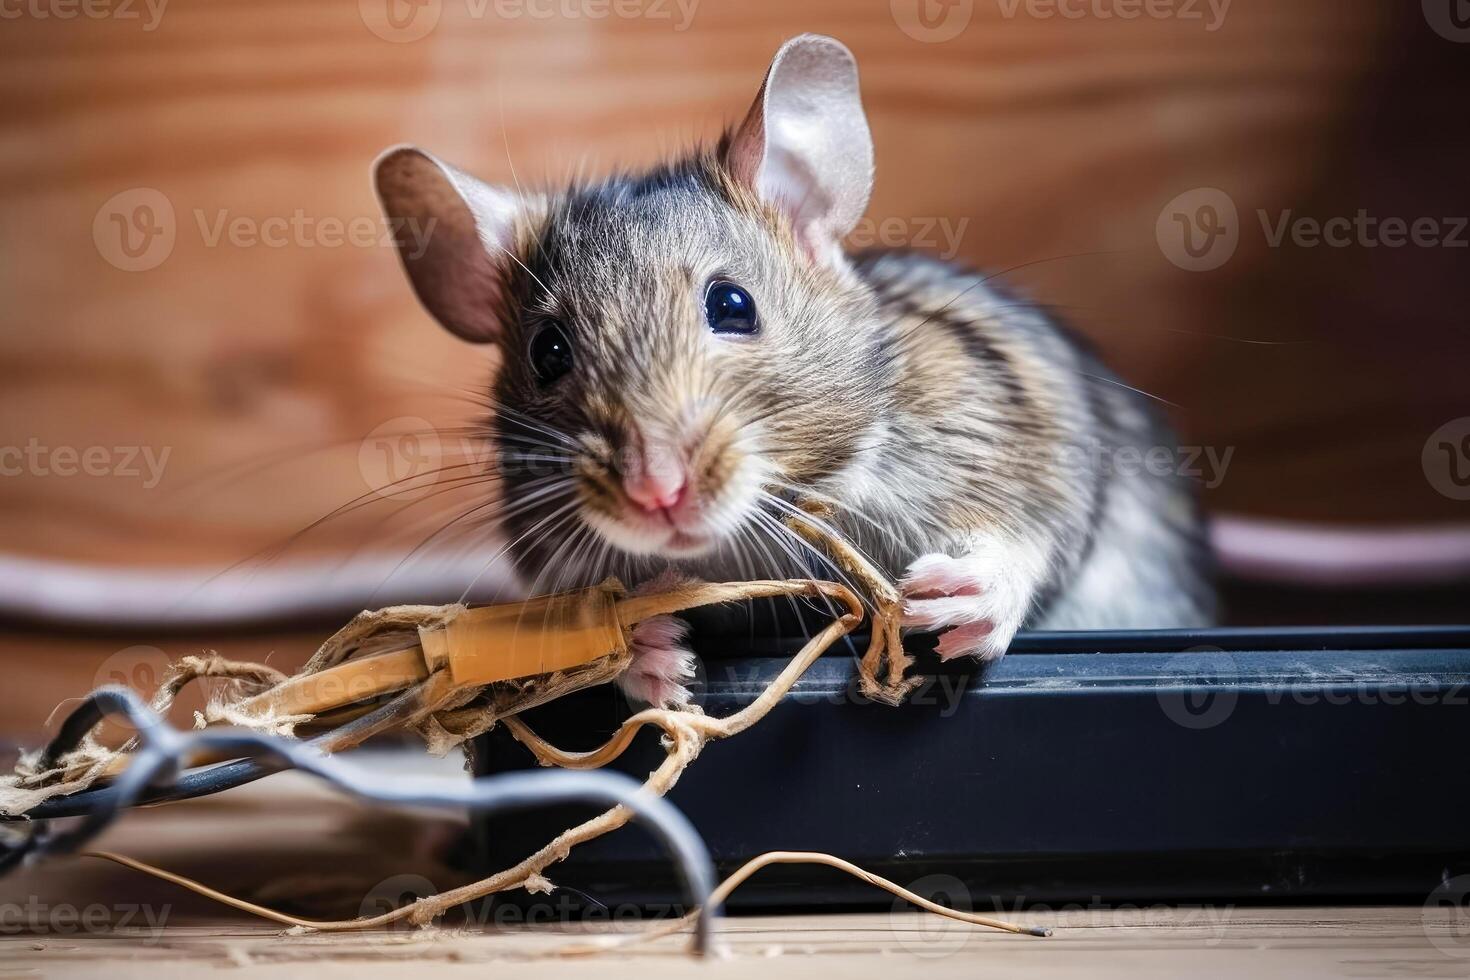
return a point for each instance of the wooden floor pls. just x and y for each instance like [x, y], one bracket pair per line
[1258, 944]
[290, 844]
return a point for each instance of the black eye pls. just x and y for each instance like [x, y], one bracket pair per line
[729, 309]
[551, 353]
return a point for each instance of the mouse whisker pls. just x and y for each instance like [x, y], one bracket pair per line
[777, 570]
[540, 529]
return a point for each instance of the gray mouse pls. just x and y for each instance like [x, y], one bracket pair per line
[689, 351]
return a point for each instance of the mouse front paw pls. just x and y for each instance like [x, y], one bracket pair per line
[970, 598]
[662, 664]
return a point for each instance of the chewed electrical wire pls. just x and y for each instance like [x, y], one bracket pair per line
[451, 673]
[163, 753]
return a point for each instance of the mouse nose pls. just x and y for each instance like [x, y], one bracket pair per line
[657, 482]
[655, 493]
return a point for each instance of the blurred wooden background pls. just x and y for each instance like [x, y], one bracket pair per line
[1049, 145]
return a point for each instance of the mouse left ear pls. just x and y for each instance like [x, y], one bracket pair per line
[805, 145]
[457, 237]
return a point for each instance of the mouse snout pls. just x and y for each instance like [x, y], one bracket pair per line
[655, 478]
[660, 489]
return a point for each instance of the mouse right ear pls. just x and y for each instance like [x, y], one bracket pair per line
[805, 145]
[456, 236]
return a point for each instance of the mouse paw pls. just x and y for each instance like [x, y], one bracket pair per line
[662, 664]
[970, 598]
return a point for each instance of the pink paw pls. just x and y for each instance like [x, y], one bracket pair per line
[978, 609]
[661, 663]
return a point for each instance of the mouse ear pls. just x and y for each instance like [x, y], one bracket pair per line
[805, 145]
[455, 235]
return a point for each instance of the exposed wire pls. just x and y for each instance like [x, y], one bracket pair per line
[163, 751]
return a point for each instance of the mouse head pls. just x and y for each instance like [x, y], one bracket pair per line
[678, 346]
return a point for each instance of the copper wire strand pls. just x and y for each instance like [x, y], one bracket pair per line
[720, 895]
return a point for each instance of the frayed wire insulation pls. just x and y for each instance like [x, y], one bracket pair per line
[163, 751]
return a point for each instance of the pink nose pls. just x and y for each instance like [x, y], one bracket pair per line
[657, 490]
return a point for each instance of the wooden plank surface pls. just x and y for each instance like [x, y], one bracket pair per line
[289, 844]
[1266, 944]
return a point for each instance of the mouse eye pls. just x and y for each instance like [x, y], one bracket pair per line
[729, 309]
[551, 353]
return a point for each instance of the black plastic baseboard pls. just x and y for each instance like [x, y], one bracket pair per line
[1215, 766]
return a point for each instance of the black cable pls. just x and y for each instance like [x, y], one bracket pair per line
[195, 783]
